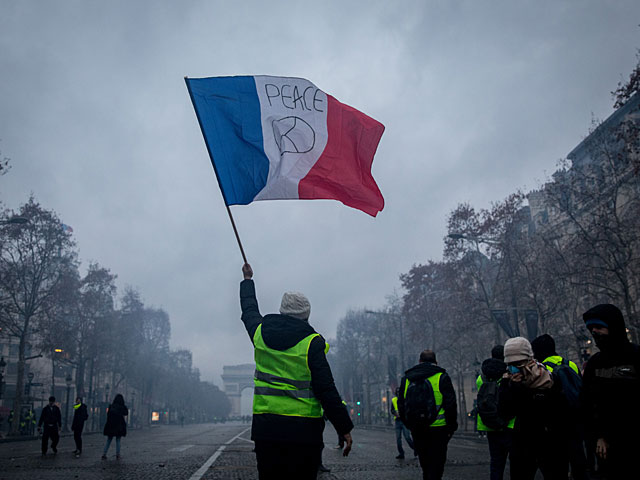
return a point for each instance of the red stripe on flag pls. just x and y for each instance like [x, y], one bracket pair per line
[343, 171]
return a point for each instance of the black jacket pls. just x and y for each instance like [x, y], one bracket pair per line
[50, 416]
[80, 415]
[611, 382]
[542, 415]
[425, 370]
[116, 425]
[281, 332]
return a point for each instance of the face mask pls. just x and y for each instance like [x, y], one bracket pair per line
[602, 341]
[513, 369]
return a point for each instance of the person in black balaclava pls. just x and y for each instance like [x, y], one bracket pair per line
[611, 391]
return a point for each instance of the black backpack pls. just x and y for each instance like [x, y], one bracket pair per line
[488, 405]
[570, 381]
[420, 409]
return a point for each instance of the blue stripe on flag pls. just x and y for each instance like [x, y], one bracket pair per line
[228, 109]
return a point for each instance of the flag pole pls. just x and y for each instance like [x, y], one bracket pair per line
[235, 230]
[224, 198]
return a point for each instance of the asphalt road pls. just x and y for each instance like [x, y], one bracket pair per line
[195, 452]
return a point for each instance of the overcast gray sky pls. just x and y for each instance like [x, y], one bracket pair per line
[479, 98]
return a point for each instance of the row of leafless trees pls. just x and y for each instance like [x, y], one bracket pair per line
[79, 321]
[526, 265]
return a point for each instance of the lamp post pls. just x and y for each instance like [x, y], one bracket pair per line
[69, 381]
[2, 365]
[133, 406]
[30, 377]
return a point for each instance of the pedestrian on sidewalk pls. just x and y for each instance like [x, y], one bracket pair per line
[499, 430]
[293, 386]
[401, 429]
[51, 421]
[427, 405]
[116, 425]
[611, 392]
[80, 416]
[531, 394]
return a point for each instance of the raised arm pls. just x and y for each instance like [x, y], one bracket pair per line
[248, 302]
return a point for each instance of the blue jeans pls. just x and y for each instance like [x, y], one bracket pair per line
[400, 431]
[106, 447]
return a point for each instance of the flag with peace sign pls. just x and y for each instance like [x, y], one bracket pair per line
[273, 138]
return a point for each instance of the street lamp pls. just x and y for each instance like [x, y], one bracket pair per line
[69, 381]
[14, 221]
[2, 365]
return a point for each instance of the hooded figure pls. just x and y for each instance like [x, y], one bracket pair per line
[541, 433]
[611, 390]
[294, 387]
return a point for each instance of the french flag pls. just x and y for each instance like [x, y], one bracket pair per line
[274, 138]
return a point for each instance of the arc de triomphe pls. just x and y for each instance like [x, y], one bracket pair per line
[235, 379]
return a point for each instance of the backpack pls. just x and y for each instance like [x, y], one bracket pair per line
[488, 405]
[420, 409]
[570, 381]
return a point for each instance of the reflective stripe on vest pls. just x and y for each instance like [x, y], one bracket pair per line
[434, 380]
[283, 380]
[394, 402]
[481, 426]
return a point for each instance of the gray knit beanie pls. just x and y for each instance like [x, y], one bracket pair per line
[295, 304]
[517, 349]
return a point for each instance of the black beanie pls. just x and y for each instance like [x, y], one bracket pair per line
[543, 346]
[611, 316]
[497, 352]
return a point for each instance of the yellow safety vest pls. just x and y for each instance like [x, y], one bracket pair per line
[434, 380]
[283, 380]
[481, 426]
[557, 360]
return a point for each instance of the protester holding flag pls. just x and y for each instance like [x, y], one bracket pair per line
[293, 386]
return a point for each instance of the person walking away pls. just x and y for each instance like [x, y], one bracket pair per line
[116, 426]
[611, 392]
[293, 386]
[568, 374]
[499, 430]
[531, 394]
[401, 429]
[80, 416]
[50, 424]
[427, 405]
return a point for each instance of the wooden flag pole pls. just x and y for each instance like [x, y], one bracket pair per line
[235, 230]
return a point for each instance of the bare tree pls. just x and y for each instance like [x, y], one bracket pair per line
[33, 259]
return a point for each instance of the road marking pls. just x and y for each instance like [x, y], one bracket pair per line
[203, 469]
[181, 448]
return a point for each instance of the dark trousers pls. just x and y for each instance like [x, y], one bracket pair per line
[401, 430]
[50, 432]
[622, 458]
[499, 449]
[287, 461]
[431, 446]
[577, 458]
[549, 454]
[77, 436]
